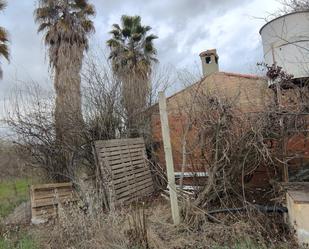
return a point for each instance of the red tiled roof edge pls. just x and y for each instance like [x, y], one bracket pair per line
[246, 76]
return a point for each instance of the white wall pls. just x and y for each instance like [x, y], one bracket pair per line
[286, 40]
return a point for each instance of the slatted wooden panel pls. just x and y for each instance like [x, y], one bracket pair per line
[123, 165]
[45, 199]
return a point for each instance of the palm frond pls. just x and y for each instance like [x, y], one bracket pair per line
[3, 4]
[116, 26]
[81, 3]
[130, 21]
[3, 35]
[113, 43]
[88, 26]
[115, 32]
[44, 14]
[89, 10]
[43, 26]
[137, 37]
[130, 46]
[126, 32]
[147, 28]
[151, 37]
[4, 51]
[149, 48]
[136, 20]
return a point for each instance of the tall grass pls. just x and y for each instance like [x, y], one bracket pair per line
[247, 243]
[23, 242]
[12, 193]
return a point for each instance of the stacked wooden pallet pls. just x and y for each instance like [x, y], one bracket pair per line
[124, 169]
[45, 200]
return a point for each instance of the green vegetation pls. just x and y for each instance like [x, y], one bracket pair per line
[24, 242]
[12, 193]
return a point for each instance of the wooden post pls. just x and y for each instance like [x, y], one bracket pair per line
[168, 158]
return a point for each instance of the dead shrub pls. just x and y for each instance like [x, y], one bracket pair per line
[138, 228]
[233, 142]
[30, 117]
[150, 226]
[75, 228]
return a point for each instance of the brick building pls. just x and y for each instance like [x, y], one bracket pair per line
[249, 93]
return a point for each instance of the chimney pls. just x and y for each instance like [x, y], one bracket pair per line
[210, 61]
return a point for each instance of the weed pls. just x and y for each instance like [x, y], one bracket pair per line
[24, 241]
[12, 193]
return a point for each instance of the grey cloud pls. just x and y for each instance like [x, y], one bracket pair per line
[182, 25]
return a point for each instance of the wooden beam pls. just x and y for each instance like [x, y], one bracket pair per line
[168, 158]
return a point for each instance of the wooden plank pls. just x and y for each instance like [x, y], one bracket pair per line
[130, 168]
[126, 164]
[133, 178]
[117, 148]
[123, 141]
[52, 185]
[126, 160]
[120, 161]
[105, 153]
[46, 192]
[124, 156]
[136, 195]
[168, 158]
[45, 199]
[53, 201]
[134, 191]
[37, 198]
[129, 173]
[146, 191]
[133, 185]
[128, 177]
[132, 182]
[121, 146]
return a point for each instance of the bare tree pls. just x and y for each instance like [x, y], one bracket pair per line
[232, 144]
[30, 113]
[294, 6]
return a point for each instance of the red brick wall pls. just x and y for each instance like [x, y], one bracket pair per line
[251, 94]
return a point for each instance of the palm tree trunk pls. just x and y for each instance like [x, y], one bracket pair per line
[68, 112]
[135, 91]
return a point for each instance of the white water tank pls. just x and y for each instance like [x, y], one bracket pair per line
[286, 43]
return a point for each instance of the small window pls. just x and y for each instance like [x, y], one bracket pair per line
[216, 60]
[208, 60]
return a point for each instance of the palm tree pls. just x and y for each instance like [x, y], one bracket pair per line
[132, 54]
[4, 50]
[66, 27]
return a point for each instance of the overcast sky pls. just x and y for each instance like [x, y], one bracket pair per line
[185, 28]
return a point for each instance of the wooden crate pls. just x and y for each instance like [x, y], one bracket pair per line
[45, 199]
[124, 170]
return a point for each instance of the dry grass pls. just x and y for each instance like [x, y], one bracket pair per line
[150, 226]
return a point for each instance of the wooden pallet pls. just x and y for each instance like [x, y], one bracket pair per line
[124, 169]
[45, 200]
